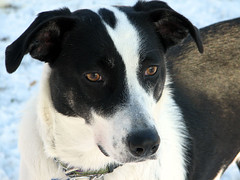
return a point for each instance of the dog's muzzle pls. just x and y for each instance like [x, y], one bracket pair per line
[144, 143]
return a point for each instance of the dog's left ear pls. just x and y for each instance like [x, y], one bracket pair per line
[172, 27]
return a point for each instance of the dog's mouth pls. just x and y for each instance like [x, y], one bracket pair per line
[130, 159]
[138, 160]
[103, 150]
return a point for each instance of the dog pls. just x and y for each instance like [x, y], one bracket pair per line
[109, 105]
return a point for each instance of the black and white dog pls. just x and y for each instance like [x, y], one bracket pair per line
[105, 108]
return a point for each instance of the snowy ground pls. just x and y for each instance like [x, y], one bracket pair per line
[15, 89]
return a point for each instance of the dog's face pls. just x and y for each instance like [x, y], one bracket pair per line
[111, 82]
[108, 68]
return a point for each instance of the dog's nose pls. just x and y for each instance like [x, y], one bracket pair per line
[144, 143]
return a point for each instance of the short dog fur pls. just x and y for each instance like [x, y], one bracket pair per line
[111, 95]
[207, 88]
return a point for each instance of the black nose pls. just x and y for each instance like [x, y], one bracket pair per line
[144, 143]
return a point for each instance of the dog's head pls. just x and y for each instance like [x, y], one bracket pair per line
[108, 68]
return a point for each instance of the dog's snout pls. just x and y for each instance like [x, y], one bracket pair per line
[143, 143]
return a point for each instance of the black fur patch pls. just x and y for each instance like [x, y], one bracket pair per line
[108, 16]
[87, 49]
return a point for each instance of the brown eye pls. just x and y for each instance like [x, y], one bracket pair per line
[94, 77]
[151, 71]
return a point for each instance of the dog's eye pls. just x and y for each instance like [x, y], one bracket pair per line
[93, 77]
[151, 71]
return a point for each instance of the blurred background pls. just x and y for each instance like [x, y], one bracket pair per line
[15, 89]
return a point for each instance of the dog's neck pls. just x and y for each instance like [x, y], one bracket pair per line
[73, 173]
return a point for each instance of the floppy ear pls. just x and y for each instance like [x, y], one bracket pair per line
[172, 28]
[150, 6]
[42, 39]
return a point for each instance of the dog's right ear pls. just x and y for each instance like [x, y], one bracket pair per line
[42, 39]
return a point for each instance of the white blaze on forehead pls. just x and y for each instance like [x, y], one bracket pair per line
[128, 43]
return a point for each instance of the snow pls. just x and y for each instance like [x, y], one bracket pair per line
[15, 89]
